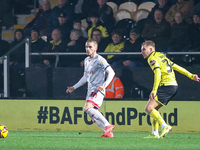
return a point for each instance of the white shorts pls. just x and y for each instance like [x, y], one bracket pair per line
[94, 97]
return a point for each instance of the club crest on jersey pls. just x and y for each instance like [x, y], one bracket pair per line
[102, 60]
[152, 62]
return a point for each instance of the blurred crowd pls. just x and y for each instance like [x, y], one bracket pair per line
[174, 26]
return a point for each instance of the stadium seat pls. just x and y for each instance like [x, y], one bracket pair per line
[113, 6]
[130, 6]
[140, 14]
[125, 25]
[122, 14]
[147, 5]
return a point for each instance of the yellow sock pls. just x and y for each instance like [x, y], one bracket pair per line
[156, 115]
[154, 124]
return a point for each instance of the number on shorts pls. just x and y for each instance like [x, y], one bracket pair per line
[93, 95]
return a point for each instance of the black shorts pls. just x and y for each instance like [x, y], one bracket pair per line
[165, 93]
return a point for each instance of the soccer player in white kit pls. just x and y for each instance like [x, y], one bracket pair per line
[95, 68]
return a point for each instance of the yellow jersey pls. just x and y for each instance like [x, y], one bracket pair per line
[163, 69]
[112, 48]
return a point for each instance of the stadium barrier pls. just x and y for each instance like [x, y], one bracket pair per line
[53, 84]
[68, 115]
[189, 57]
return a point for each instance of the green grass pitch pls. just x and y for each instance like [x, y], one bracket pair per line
[66, 140]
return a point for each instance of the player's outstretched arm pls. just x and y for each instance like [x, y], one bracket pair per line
[184, 72]
[196, 78]
[70, 89]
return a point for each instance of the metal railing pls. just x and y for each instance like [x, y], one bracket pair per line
[28, 53]
[6, 63]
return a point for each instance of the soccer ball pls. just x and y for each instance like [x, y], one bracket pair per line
[3, 131]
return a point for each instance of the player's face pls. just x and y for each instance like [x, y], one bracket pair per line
[146, 51]
[91, 49]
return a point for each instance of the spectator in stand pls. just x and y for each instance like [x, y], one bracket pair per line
[17, 58]
[40, 20]
[23, 6]
[37, 45]
[94, 18]
[117, 46]
[77, 44]
[102, 42]
[195, 9]
[105, 13]
[86, 7]
[55, 45]
[17, 64]
[194, 33]
[6, 14]
[115, 89]
[64, 26]
[179, 34]
[78, 10]
[183, 6]
[63, 6]
[157, 31]
[4, 47]
[163, 5]
[133, 45]
[78, 25]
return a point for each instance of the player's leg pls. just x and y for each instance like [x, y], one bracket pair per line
[151, 110]
[99, 119]
[96, 116]
[95, 99]
[155, 127]
[156, 120]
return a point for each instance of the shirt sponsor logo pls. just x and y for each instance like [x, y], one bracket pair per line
[89, 72]
[152, 62]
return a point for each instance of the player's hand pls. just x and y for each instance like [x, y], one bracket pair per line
[152, 96]
[196, 78]
[100, 88]
[69, 89]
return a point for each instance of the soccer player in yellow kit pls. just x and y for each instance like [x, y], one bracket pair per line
[164, 88]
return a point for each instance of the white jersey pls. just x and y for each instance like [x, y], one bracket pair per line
[94, 69]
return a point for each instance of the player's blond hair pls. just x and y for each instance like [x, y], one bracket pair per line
[92, 41]
[148, 43]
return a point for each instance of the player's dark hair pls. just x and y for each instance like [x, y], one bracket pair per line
[148, 43]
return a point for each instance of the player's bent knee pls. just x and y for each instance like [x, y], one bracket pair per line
[87, 106]
[148, 109]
